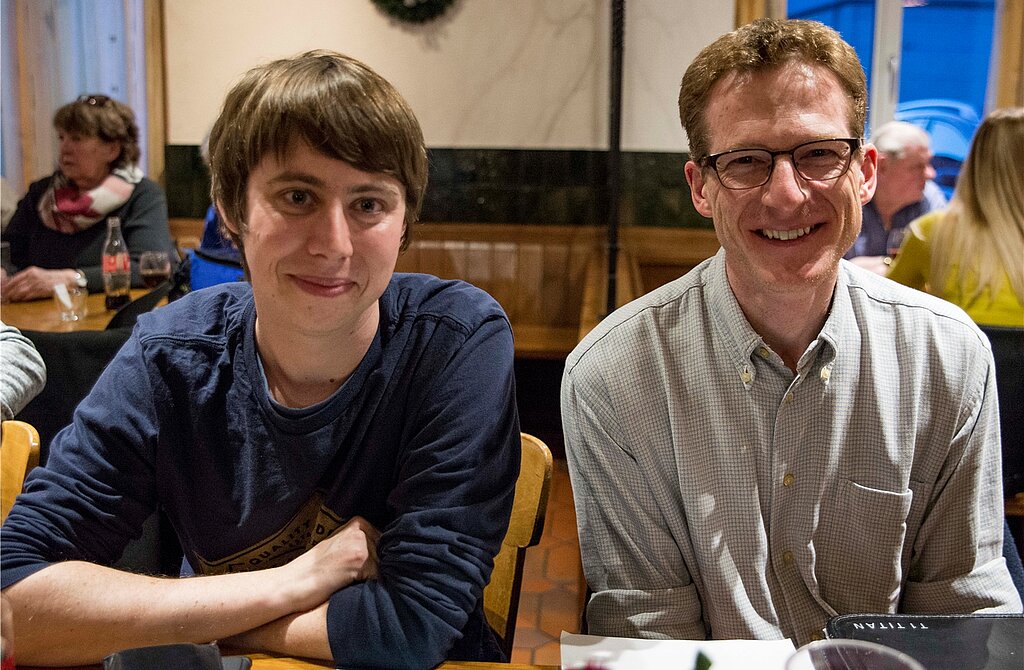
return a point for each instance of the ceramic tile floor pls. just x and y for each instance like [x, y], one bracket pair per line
[549, 601]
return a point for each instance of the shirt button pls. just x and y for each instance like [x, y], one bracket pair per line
[815, 636]
[787, 557]
[826, 372]
[789, 397]
[763, 352]
[788, 479]
[746, 376]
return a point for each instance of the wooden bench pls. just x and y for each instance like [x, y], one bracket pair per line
[536, 273]
[186, 233]
[648, 257]
[664, 254]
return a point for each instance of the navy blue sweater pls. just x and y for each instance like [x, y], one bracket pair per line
[422, 440]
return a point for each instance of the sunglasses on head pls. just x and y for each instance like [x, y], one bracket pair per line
[94, 100]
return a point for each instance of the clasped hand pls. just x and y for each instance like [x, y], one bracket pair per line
[33, 282]
[349, 555]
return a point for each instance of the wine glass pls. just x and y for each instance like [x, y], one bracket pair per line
[894, 241]
[154, 267]
[850, 655]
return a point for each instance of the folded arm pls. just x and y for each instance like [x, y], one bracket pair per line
[100, 610]
[452, 503]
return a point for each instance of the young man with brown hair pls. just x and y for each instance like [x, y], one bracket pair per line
[335, 445]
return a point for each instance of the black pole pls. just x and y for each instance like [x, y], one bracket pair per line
[614, 146]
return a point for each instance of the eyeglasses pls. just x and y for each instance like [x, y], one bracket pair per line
[94, 100]
[819, 160]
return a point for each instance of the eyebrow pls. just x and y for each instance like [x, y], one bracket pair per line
[374, 186]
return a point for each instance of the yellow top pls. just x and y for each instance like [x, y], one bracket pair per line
[913, 266]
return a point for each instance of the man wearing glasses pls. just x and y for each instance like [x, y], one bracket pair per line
[750, 453]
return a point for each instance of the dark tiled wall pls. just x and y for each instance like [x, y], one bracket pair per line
[186, 181]
[557, 187]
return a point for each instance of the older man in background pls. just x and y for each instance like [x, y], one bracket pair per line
[905, 191]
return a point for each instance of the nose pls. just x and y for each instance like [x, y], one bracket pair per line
[785, 188]
[332, 236]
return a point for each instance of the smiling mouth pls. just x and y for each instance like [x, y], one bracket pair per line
[325, 282]
[786, 235]
[323, 286]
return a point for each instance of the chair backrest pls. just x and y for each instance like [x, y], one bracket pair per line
[1012, 557]
[501, 595]
[74, 361]
[19, 453]
[1008, 352]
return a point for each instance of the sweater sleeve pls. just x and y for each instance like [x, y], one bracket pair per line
[24, 219]
[22, 374]
[453, 501]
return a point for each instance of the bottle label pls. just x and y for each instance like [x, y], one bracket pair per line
[118, 263]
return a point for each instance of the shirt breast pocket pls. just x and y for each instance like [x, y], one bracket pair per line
[858, 569]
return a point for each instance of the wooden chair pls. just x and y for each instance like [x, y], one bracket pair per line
[19, 453]
[501, 595]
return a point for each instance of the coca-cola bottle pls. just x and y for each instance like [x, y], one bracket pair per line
[117, 267]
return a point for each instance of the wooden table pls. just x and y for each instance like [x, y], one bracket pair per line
[272, 662]
[43, 315]
[265, 662]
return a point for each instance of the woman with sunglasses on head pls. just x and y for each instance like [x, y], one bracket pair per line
[59, 229]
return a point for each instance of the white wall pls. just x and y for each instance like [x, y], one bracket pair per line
[490, 73]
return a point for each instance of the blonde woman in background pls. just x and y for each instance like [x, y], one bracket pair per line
[972, 255]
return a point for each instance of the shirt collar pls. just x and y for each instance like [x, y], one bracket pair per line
[744, 343]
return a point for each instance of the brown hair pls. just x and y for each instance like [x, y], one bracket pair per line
[96, 115]
[337, 105]
[761, 45]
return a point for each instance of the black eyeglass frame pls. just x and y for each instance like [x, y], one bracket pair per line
[94, 100]
[854, 143]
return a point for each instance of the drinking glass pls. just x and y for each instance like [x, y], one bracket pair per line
[850, 655]
[70, 301]
[154, 267]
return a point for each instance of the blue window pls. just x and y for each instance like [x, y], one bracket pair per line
[941, 63]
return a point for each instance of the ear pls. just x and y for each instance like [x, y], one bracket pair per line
[113, 151]
[695, 178]
[870, 166]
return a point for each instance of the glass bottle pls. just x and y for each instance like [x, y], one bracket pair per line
[117, 268]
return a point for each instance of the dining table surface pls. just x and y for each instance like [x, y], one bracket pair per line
[42, 314]
[274, 662]
[268, 662]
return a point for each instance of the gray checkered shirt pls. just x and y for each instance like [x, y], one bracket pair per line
[718, 494]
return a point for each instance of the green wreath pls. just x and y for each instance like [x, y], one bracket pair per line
[414, 11]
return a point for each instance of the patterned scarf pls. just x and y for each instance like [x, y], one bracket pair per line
[68, 210]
